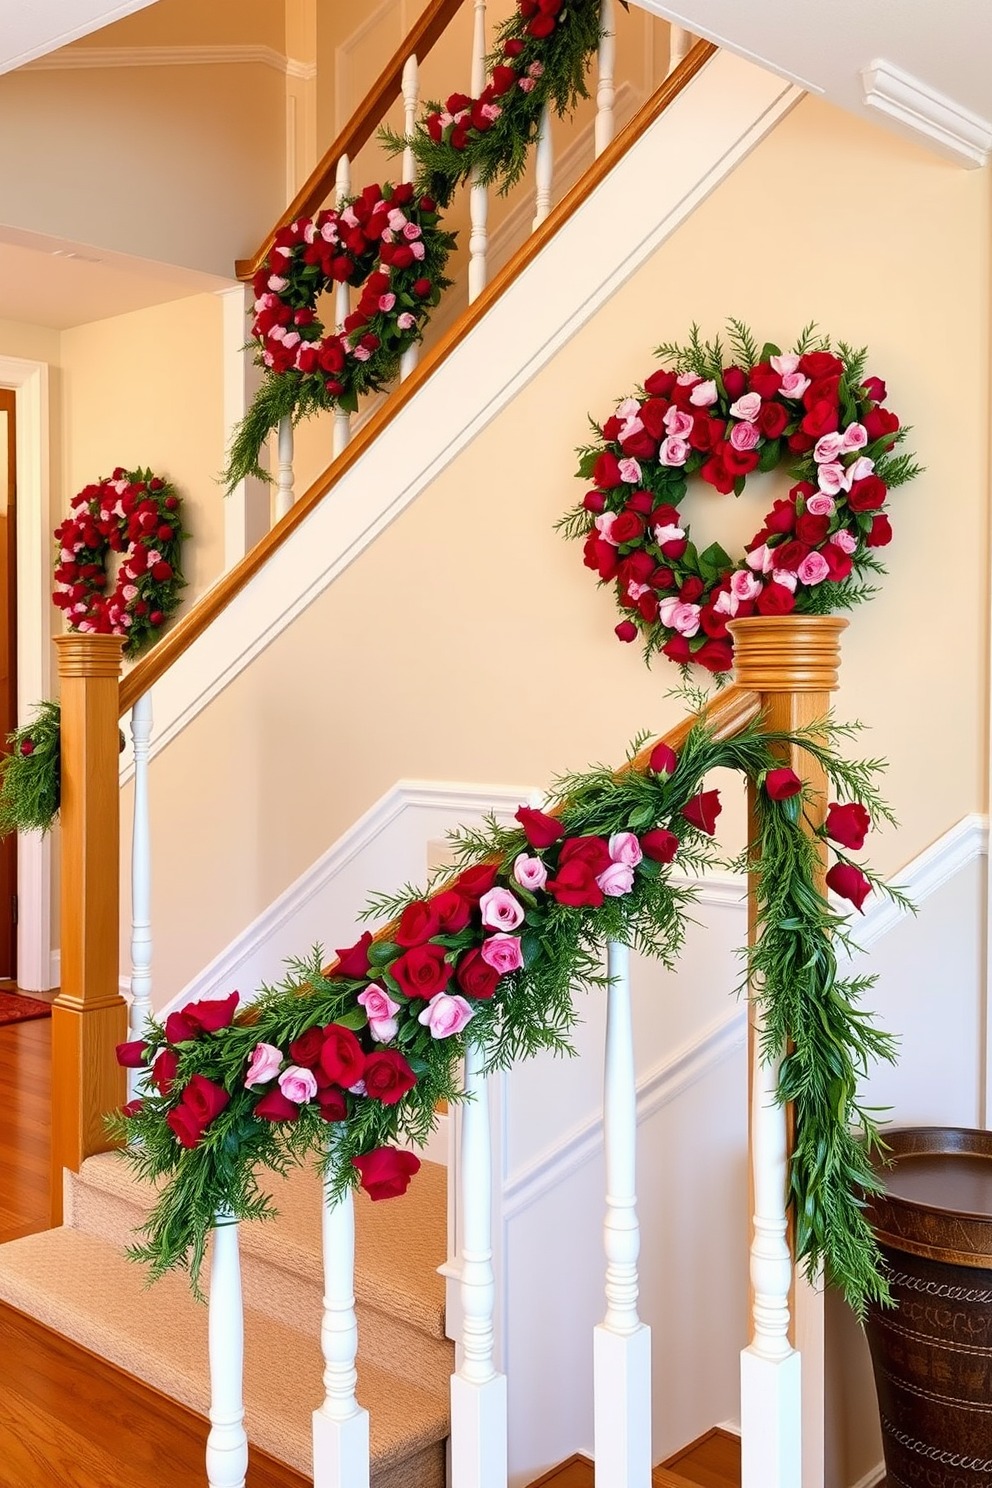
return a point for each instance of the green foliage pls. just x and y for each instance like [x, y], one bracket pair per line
[30, 775]
[811, 1017]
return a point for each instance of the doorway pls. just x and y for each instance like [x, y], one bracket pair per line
[8, 667]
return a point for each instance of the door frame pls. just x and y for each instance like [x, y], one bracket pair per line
[36, 971]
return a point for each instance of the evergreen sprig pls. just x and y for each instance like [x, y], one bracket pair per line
[811, 1017]
[30, 775]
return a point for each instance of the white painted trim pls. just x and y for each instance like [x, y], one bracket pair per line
[246, 509]
[34, 633]
[238, 54]
[945, 124]
[727, 111]
[873, 1478]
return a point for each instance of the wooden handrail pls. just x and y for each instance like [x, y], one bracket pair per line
[360, 127]
[196, 621]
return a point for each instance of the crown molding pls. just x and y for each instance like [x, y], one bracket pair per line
[945, 125]
[238, 55]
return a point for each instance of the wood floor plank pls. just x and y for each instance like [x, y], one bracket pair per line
[25, 1099]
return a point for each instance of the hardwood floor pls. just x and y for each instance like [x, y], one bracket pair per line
[68, 1418]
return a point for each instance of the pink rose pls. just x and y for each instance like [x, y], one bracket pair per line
[726, 603]
[616, 880]
[668, 532]
[820, 505]
[679, 616]
[500, 910]
[832, 478]
[381, 1011]
[630, 472]
[744, 585]
[503, 953]
[813, 569]
[446, 1014]
[411, 232]
[827, 448]
[786, 578]
[855, 437]
[745, 436]
[530, 873]
[794, 384]
[861, 468]
[747, 407]
[703, 395]
[761, 559]
[785, 363]
[297, 1084]
[418, 250]
[264, 1064]
[672, 452]
[625, 848]
[678, 423]
[406, 321]
[604, 526]
[526, 84]
[844, 540]
[387, 301]
[396, 218]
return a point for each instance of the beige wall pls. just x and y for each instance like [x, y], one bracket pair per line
[193, 23]
[147, 389]
[470, 644]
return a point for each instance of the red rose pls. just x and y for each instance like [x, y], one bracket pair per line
[274, 1106]
[386, 1171]
[601, 556]
[421, 288]
[132, 1108]
[660, 384]
[179, 1029]
[541, 26]
[820, 364]
[822, 389]
[342, 1061]
[848, 824]
[782, 784]
[452, 912]
[513, 47]
[576, 885]
[132, 1055]
[606, 471]
[867, 494]
[775, 599]
[878, 422]
[164, 1070]
[739, 462]
[782, 517]
[474, 882]
[640, 445]
[627, 528]
[677, 650]
[712, 624]
[503, 80]
[641, 501]
[652, 416]
[648, 607]
[850, 883]
[716, 656]
[703, 810]
[811, 529]
[185, 1126]
[475, 976]
[457, 102]
[307, 1048]
[691, 590]
[735, 382]
[625, 631]
[205, 1099]
[875, 388]
[764, 380]
[388, 1076]
[660, 845]
[594, 851]
[210, 1013]
[354, 962]
[332, 1102]
[716, 473]
[418, 923]
[822, 418]
[881, 532]
[706, 432]
[663, 760]
[164, 534]
[594, 501]
[839, 564]
[421, 972]
[539, 828]
[772, 419]
[789, 555]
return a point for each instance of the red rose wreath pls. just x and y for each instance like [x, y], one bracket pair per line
[811, 408]
[136, 514]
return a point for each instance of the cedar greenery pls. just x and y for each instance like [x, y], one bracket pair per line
[807, 1009]
[30, 775]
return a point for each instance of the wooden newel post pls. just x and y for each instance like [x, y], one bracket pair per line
[89, 1016]
[792, 662]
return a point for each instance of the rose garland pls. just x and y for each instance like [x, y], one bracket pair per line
[811, 408]
[494, 954]
[31, 774]
[136, 514]
[388, 240]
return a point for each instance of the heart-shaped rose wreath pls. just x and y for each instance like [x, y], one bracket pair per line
[386, 242]
[811, 408]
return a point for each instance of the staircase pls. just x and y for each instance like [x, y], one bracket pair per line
[77, 1281]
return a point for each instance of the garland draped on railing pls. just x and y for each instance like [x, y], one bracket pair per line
[495, 953]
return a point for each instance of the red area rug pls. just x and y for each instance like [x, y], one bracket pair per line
[15, 1008]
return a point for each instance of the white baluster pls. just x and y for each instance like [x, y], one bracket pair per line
[342, 305]
[411, 97]
[478, 1391]
[284, 483]
[141, 881]
[771, 1404]
[679, 42]
[544, 169]
[227, 1443]
[605, 92]
[340, 1426]
[478, 243]
[621, 1343]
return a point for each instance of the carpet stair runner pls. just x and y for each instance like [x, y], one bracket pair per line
[77, 1281]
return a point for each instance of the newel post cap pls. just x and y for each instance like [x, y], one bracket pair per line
[85, 655]
[787, 653]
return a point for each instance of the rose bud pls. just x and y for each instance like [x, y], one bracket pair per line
[703, 810]
[132, 1055]
[27, 746]
[849, 883]
[386, 1171]
[660, 845]
[782, 784]
[539, 828]
[849, 825]
[664, 760]
[626, 631]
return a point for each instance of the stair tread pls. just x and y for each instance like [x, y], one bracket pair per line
[85, 1289]
[398, 1245]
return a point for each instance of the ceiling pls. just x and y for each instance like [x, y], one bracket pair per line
[30, 28]
[937, 87]
[48, 282]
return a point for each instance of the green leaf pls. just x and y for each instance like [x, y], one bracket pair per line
[770, 455]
